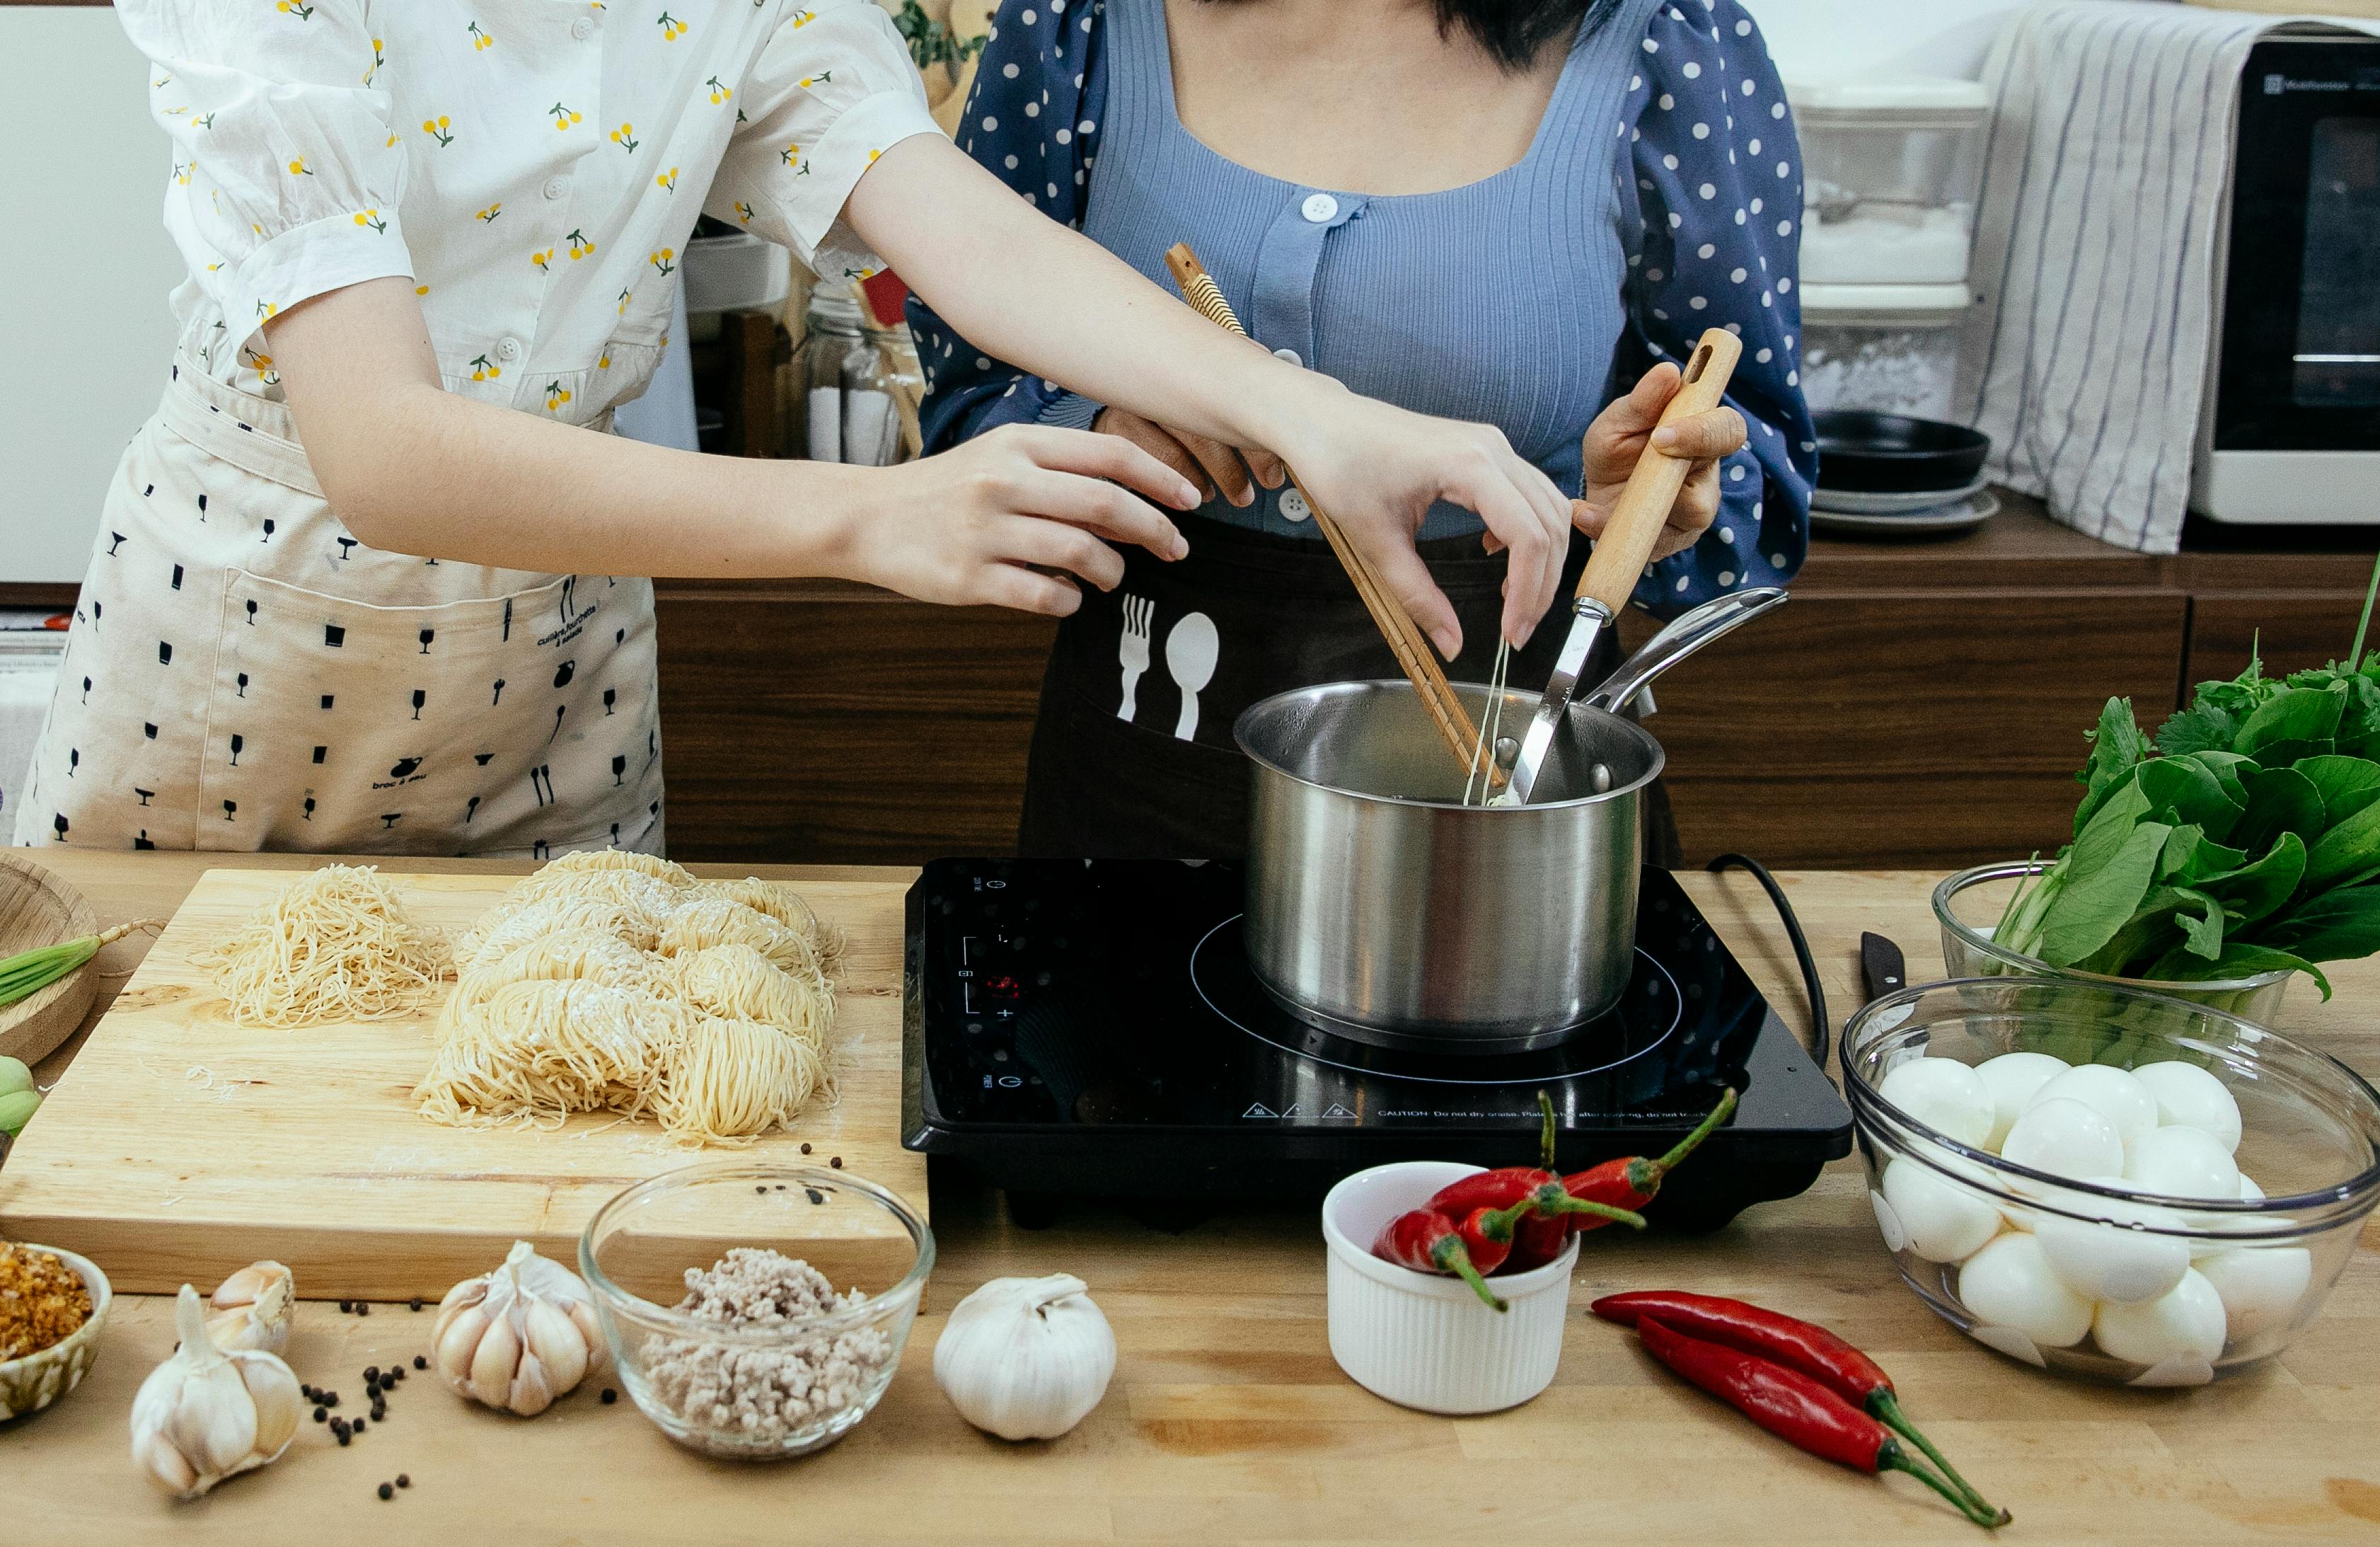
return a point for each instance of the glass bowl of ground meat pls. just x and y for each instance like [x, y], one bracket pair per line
[756, 1309]
[53, 1304]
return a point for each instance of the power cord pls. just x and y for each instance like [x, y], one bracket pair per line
[1821, 1036]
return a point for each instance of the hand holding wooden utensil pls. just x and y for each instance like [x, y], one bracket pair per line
[1620, 436]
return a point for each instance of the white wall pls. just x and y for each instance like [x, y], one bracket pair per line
[1815, 38]
[85, 263]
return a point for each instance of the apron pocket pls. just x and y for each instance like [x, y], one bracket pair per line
[1097, 787]
[507, 724]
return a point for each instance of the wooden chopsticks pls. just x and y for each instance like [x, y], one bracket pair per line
[1406, 638]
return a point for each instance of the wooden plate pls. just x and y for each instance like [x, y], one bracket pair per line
[37, 909]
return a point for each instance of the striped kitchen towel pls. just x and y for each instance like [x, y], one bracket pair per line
[2095, 256]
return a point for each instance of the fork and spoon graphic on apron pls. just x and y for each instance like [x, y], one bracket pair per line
[1191, 649]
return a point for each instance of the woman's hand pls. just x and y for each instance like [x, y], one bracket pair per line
[1617, 437]
[1378, 469]
[1013, 517]
[1210, 464]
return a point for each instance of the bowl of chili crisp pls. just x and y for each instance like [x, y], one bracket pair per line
[53, 1304]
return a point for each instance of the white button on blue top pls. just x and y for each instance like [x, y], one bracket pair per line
[556, 186]
[582, 29]
[1290, 354]
[508, 349]
[1293, 507]
[1319, 208]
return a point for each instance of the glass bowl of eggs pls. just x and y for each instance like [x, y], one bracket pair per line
[2107, 1182]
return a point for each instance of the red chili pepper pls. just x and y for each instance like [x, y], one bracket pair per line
[1795, 1407]
[1797, 1345]
[1534, 1197]
[1428, 1241]
[1628, 1182]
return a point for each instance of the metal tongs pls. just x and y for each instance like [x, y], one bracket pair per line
[1620, 553]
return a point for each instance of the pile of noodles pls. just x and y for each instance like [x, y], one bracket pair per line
[336, 945]
[610, 981]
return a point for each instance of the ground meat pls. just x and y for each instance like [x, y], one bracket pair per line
[42, 1301]
[764, 1393]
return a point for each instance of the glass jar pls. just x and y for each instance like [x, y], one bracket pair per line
[854, 376]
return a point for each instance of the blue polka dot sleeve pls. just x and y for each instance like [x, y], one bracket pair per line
[1032, 119]
[1711, 199]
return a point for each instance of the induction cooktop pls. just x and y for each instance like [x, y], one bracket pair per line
[1093, 1028]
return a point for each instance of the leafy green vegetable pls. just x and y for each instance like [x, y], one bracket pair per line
[2244, 839]
[2346, 785]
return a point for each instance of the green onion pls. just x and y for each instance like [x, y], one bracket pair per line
[28, 972]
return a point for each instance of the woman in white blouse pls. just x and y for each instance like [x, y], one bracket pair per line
[364, 582]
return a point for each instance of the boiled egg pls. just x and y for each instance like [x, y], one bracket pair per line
[2123, 1260]
[1942, 1221]
[2182, 1162]
[2186, 1096]
[2260, 1286]
[1945, 1095]
[2009, 1283]
[2011, 1078]
[2065, 1137]
[2185, 1321]
[2111, 1092]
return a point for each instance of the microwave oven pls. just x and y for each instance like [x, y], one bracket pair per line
[2290, 429]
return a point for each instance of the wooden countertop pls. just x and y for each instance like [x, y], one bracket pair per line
[1229, 1421]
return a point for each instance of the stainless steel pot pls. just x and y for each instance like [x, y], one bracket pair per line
[1381, 908]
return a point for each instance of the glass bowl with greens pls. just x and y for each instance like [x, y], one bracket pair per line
[2238, 846]
[1971, 907]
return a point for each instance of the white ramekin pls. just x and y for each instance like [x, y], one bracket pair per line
[1422, 1340]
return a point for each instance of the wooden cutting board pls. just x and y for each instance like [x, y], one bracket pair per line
[178, 1147]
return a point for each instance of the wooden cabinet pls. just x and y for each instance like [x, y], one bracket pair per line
[1861, 729]
[1918, 704]
[836, 722]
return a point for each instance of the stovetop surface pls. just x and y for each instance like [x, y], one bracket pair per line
[1052, 998]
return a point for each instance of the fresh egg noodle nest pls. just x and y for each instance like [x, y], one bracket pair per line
[615, 981]
[336, 945]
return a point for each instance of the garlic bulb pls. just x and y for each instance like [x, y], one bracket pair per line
[251, 1308]
[205, 1415]
[1026, 1359]
[519, 1337]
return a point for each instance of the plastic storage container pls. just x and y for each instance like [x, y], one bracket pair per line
[1890, 172]
[1891, 168]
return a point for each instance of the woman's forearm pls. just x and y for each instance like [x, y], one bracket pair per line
[1024, 288]
[414, 468]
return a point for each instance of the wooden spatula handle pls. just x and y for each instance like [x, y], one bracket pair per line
[1642, 509]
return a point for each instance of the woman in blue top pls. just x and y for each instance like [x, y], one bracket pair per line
[1513, 211]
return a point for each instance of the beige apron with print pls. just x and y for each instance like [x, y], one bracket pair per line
[243, 675]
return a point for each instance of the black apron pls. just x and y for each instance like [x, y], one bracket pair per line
[1245, 615]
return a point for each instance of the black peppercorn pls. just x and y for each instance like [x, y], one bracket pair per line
[363, 1309]
[609, 1396]
[338, 1426]
[420, 1361]
[805, 1149]
[836, 1163]
[414, 1303]
[330, 1399]
[346, 1306]
[403, 1480]
[760, 1189]
[321, 1413]
[343, 1435]
[387, 1491]
[372, 1373]
[814, 1196]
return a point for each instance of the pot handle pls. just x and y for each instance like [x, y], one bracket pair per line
[1684, 634]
